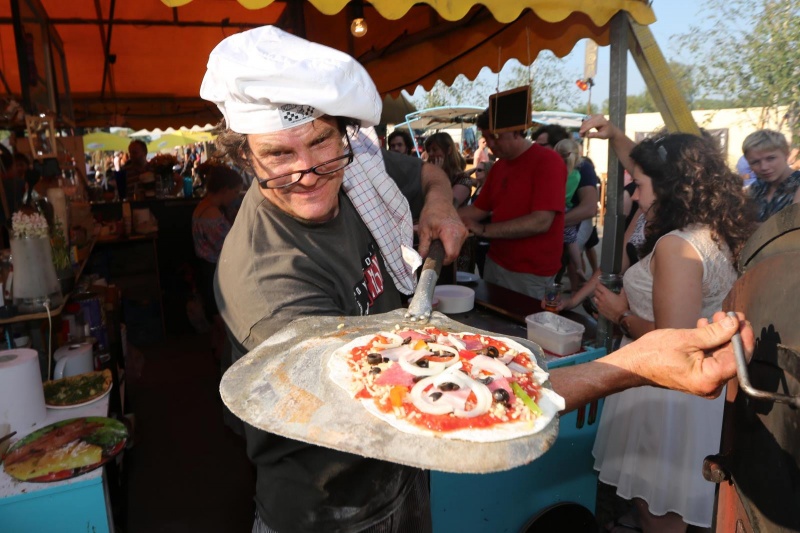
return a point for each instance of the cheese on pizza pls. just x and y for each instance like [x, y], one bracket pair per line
[457, 385]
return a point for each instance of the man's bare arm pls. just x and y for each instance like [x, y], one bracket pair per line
[438, 219]
[518, 228]
[696, 361]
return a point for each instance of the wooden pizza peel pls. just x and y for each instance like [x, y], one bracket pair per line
[283, 387]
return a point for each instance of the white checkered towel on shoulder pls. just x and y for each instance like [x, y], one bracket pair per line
[383, 208]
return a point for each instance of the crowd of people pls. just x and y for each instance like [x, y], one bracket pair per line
[122, 174]
[688, 215]
[327, 224]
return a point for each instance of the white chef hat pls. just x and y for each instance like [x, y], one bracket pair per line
[266, 80]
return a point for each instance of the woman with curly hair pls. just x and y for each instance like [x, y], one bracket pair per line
[651, 442]
[443, 153]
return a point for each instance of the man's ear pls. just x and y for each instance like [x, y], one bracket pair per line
[241, 155]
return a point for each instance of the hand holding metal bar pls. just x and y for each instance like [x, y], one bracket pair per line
[744, 378]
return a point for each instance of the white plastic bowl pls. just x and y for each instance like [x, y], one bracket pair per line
[555, 333]
[454, 298]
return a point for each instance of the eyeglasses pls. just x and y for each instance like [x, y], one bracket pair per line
[328, 167]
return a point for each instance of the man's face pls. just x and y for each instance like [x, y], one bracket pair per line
[542, 139]
[768, 165]
[138, 154]
[435, 152]
[398, 145]
[503, 145]
[313, 198]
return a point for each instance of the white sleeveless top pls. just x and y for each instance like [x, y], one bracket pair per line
[719, 274]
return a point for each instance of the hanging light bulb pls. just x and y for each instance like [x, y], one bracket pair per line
[358, 27]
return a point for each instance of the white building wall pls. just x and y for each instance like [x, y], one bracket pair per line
[739, 123]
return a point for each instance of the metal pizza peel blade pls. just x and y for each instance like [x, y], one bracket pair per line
[283, 387]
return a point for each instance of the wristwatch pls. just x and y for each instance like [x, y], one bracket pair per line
[621, 323]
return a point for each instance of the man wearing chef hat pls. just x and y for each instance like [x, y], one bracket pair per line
[326, 229]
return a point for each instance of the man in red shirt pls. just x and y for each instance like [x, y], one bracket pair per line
[524, 194]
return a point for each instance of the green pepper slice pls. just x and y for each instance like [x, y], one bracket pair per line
[527, 400]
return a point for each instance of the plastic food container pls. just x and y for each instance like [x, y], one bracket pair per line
[454, 298]
[555, 333]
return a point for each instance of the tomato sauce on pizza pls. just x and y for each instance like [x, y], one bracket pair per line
[444, 382]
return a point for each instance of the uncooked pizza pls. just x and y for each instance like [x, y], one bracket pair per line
[463, 386]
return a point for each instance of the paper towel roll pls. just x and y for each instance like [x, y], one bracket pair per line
[57, 198]
[21, 393]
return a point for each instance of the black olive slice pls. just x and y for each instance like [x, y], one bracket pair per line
[374, 358]
[375, 370]
[500, 395]
[422, 363]
[449, 386]
[436, 395]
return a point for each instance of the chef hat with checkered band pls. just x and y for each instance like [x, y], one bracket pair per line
[266, 80]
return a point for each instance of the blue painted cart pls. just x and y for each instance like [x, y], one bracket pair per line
[506, 501]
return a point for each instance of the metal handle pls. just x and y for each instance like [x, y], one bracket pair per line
[421, 306]
[744, 378]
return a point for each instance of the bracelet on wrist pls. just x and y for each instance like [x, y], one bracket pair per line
[621, 323]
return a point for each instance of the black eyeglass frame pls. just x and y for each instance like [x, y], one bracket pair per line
[349, 156]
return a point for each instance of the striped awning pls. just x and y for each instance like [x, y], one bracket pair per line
[160, 47]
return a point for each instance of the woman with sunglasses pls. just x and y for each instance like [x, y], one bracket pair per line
[651, 443]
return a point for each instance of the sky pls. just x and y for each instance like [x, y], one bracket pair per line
[673, 17]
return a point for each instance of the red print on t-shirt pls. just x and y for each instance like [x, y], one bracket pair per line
[372, 276]
[367, 290]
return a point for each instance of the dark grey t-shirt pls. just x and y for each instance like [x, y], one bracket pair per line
[272, 270]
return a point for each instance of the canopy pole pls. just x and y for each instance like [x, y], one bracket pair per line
[613, 224]
[107, 50]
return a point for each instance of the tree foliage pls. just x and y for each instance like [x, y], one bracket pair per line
[686, 77]
[462, 92]
[553, 87]
[751, 56]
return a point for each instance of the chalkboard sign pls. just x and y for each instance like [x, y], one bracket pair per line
[510, 110]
